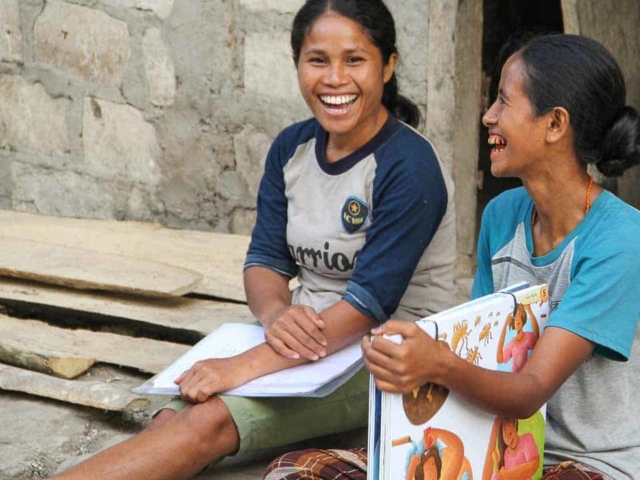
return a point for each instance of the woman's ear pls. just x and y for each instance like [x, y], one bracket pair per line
[558, 124]
[390, 67]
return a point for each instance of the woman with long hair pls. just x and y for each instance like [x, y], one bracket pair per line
[356, 204]
[560, 107]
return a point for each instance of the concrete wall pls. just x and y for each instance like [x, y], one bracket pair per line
[617, 29]
[163, 110]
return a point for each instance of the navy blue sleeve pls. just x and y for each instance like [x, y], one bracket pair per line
[409, 202]
[268, 247]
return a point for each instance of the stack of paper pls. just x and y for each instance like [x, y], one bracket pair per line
[314, 379]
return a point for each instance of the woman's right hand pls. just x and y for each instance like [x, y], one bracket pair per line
[209, 377]
[401, 368]
[295, 331]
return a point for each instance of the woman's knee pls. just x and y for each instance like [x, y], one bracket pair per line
[211, 425]
[162, 417]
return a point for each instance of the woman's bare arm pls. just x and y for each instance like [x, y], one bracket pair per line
[291, 330]
[343, 325]
[419, 359]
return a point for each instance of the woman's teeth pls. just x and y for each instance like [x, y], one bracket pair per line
[497, 143]
[338, 104]
[338, 99]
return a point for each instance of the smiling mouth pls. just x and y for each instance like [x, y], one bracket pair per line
[498, 143]
[338, 104]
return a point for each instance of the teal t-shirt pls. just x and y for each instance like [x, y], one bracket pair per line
[594, 290]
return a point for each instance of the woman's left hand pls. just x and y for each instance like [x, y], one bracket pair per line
[209, 377]
[400, 368]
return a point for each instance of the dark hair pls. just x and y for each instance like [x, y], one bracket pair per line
[502, 445]
[579, 74]
[432, 452]
[519, 310]
[377, 22]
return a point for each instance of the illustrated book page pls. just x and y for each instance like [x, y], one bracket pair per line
[434, 431]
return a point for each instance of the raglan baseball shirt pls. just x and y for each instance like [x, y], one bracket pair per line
[376, 228]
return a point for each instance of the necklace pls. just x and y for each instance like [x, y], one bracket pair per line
[587, 202]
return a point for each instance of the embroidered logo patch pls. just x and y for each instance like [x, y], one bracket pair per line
[354, 214]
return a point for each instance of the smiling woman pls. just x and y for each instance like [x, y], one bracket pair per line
[342, 77]
[346, 59]
[356, 204]
[561, 106]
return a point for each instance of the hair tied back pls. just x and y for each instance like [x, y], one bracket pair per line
[621, 143]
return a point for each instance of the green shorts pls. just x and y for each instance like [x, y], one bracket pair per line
[274, 422]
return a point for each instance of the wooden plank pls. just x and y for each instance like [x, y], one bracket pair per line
[85, 269]
[91, 394]
[193, 316]
[570, 16]
[218, 257]
[52, 362]
[60, 351]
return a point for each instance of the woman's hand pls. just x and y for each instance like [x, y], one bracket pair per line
[209, 377]
[295, 331]
[400, 368]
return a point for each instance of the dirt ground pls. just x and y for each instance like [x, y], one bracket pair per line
[40, 437]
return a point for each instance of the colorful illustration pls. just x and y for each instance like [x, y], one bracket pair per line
[421, 404]
[515, 448]
[518, 347]
[432, 433]
[438, 456]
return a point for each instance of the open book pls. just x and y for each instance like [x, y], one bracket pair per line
[433, 431]
[314, 379]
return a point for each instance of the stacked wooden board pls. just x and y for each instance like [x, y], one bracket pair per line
[78, 292]
[217, 257]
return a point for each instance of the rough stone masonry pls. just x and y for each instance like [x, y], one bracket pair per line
[156, 110]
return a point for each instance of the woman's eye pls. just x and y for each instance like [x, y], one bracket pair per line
[353, 60]
[316, 60]
[501, 100]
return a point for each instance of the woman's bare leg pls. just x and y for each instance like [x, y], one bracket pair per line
[179, 446]
[161, 418]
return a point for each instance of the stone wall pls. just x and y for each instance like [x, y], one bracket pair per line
[163, 110]
[617, 29]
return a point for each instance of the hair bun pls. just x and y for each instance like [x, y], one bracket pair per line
[621, 144]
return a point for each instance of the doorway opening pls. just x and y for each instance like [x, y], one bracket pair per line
[504, 21]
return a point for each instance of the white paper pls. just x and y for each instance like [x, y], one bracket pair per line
[314, 379]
